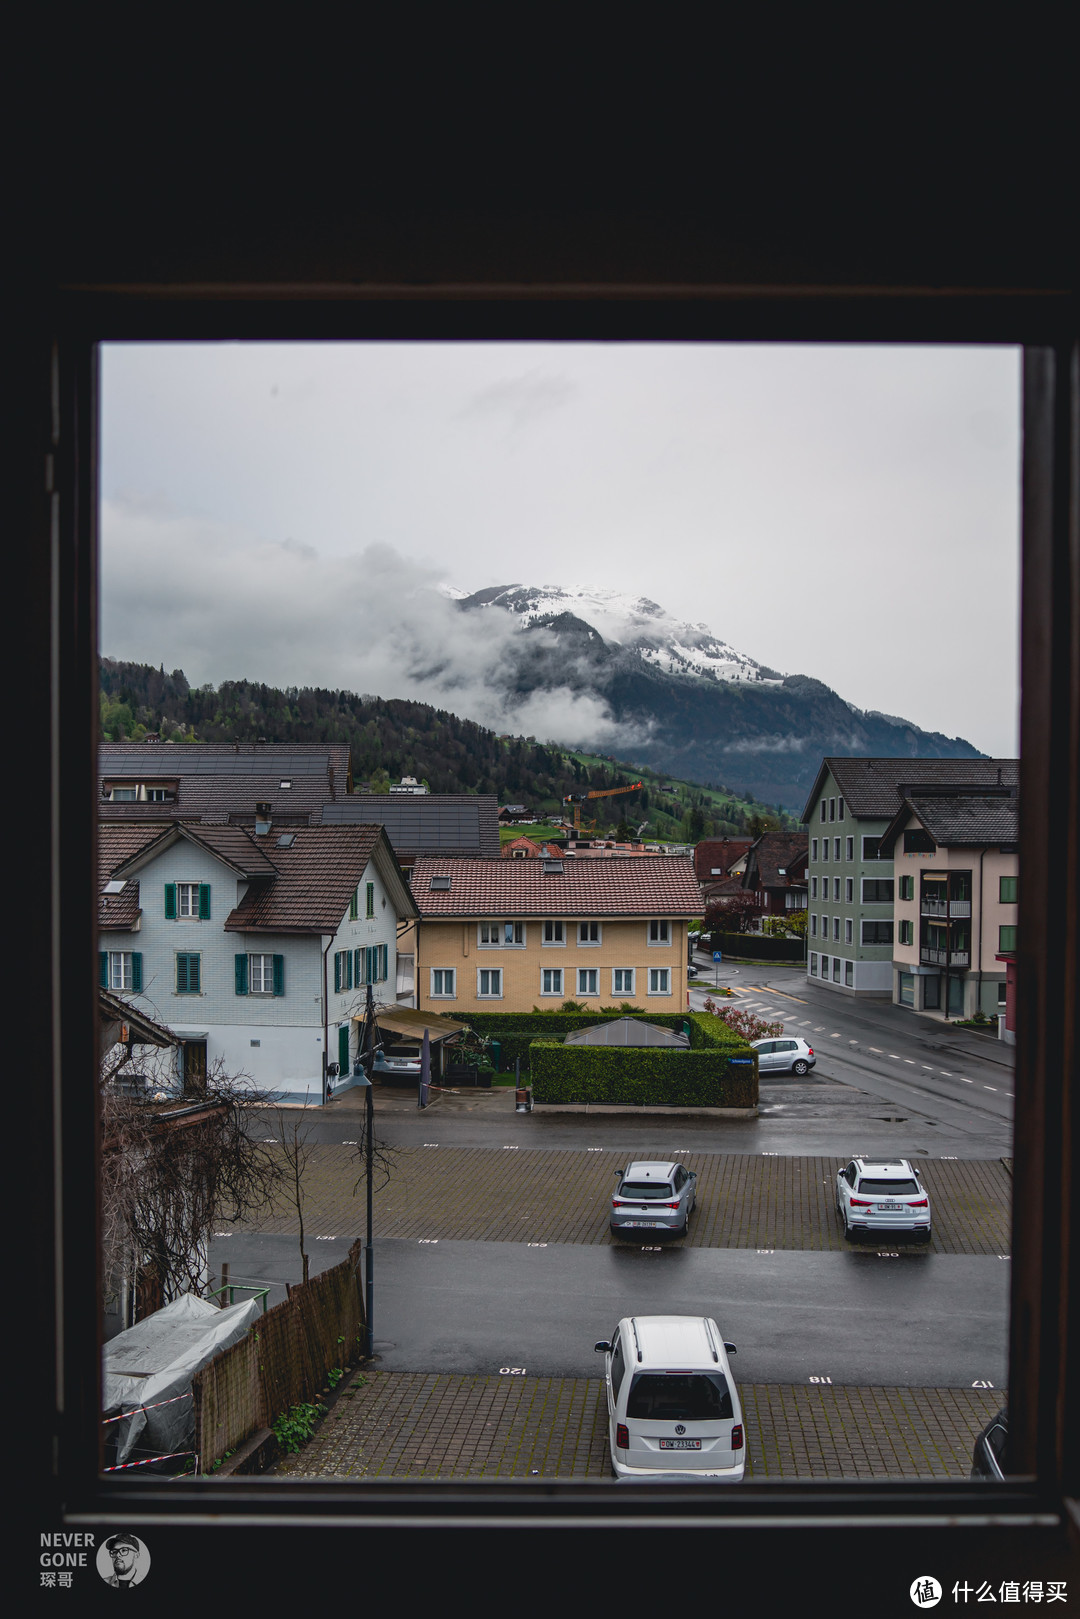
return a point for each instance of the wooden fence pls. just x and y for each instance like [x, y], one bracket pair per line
[282, 1362]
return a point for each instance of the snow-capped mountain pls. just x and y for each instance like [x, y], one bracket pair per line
[675, 696]
[634, 622]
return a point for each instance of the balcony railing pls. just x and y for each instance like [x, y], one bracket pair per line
[943, 958]
[944, 907]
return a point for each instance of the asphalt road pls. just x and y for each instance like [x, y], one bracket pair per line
[859, 1318]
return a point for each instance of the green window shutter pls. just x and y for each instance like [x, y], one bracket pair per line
[170, 902]
[338, 957]
[348, 969]
[359, 968]
[136, 970]
[354, 906]
[241, 965]
[369, 964]
[343, 1050]
[384, 962]
[204, 902]
[103, 968]
[371, 899]
[279, 975]
[181, 975]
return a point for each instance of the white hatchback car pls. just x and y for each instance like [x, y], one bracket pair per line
[882, 1195]
[784, 1056]
[672, 1402]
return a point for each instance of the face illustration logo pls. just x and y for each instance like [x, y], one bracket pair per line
[123, 1560]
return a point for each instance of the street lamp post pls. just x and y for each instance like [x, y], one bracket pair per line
[369, 1044]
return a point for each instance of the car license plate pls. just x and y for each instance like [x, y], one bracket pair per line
[680, 1444]
[640, 1224]
[890, 1208]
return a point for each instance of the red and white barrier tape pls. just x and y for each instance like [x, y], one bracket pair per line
[154, 1407]
[172, 1456]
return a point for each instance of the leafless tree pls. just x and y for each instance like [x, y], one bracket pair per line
[291, 1133]
[175, 1168]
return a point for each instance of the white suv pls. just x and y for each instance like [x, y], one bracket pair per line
[882, 1195]
[672, 1402]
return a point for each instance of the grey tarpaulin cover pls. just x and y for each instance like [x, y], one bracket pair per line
[156, 1359]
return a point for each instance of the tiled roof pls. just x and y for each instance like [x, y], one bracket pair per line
[316, 875]
[872, 788]
[220, 779]
[721, 852]
[775, 852]
[662, 885]
[969, 819]
[464, 825]
[116, 844]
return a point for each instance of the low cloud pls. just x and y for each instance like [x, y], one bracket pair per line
[221, 603]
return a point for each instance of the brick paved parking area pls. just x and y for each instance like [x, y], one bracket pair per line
[511, 1194]
[417, 1425]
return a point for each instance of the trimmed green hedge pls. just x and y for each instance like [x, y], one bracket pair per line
[638, 1076]
[516, 1031]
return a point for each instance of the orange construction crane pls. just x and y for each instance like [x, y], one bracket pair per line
[577, 799]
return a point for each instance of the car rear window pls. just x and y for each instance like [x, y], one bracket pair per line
[888, 1188]
[646, 1189]
[679, 1397]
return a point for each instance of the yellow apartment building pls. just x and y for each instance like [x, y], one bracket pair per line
[508, 935]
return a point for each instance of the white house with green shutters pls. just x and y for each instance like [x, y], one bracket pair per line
[851, 927]
[254, 946]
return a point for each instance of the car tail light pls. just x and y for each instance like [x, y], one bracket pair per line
[736, 1437]
[861, 1203]
[809, 1051]
[622, 1436]
[668, 1205]
[919, 1203]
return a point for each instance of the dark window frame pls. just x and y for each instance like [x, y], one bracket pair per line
[55, 375]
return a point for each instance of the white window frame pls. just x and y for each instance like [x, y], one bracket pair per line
[836, 890]
[120, 959]
[849, 890]
[813, 888]
[813, 964]
[590, 944]
[490, 973]
[662, 926]
[836, 929]
[264, 972]
[813, 925]
[444, 973]
[586, 972]
[813, 848]
[849, 931]
[836, 848]
[876, 922]
[557, 928]
[191, 892]
[849, 849]
[555, 975]
[517, 941]
[656, 974]
[625, 972]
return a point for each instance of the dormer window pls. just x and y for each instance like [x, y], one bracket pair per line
[285, 784]
[440, 885]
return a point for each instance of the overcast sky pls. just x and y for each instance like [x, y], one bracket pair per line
[284, 512]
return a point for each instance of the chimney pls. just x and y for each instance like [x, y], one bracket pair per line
[262, 820]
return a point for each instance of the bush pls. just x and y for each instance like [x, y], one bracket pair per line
[650, 1075]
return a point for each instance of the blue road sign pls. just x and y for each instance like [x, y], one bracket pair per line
[718, 955]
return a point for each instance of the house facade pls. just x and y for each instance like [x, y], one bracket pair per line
[255, 950]
[955, 858]
[519, 934]
[850, 921]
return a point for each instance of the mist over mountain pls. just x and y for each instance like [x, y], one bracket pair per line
[681, 699]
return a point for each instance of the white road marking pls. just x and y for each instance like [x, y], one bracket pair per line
[946, 1072]
[894, 1057]
[928, 1068]
[1011, 1093]
[835, 1037]
[818, 1027]
[964, 1081]
[989, 1087]
[912, 1061]
[877, 1050]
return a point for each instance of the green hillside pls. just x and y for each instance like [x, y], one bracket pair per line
[395, 737]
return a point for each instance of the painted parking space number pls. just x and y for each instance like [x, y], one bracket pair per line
[511, 1371]
[820, 1379]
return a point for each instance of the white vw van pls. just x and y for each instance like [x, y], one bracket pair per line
[672, 1402]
